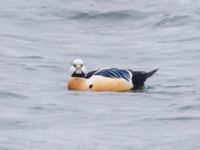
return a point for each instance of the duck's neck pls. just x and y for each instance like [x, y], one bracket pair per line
[82, 75]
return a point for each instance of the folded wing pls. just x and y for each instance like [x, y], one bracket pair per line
[115, 73]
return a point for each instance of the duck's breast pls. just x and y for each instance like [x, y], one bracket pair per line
[78, 84]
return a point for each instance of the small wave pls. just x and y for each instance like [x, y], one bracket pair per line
[18, 37]
[180, 118]
[94, 15]
[37, 108]
[49, 66]
[172, 90]
[169, 20]
[29, 68]
[32, 57]
[190, 39]
[184, 118]
[12, 95]
[10, 124]
[7, 14]
[172, 86]
[189, 107]
[88, 55]
[114, 15]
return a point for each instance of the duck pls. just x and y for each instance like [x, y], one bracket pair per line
[107, 80]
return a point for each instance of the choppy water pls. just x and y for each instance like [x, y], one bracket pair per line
[38, 40]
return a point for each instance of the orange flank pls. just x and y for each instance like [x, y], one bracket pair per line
[99, 83]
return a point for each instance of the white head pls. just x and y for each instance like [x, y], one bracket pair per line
[78, 68]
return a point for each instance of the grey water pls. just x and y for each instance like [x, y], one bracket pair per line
[39, 39]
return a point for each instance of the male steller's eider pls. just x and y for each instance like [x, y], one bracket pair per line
[113, 79]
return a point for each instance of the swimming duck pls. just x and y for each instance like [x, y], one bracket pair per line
[113, 79]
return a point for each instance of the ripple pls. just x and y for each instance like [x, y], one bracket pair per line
[89, 55]
[169, 20]
[49, 66]
[12, 95]
[95, 15]
[184, 118]
[179, 118]
[47, 108]
[190, 39]
[172, 90]
[37, 108]
[32, 57]
[190, 107]
[112, 15]
[178, 86]
[18, 37]
[29, 68]
[10, 124]
[7, 14]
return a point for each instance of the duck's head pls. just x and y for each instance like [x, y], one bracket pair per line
[78, 68]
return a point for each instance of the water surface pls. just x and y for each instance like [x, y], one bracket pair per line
[39, 39]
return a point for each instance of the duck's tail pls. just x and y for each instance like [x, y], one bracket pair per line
[149, 74]
[139, 77]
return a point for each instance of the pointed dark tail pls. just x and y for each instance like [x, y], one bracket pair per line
[149, 74]
[139, 77]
